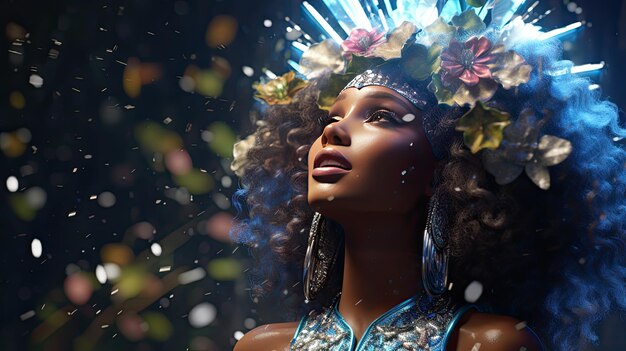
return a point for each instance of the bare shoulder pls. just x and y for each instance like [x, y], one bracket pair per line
[270, 337]
[492, 332]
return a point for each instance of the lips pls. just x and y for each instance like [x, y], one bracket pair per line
[331, 158]
[329, 165]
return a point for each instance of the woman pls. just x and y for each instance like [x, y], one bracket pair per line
[424, 238]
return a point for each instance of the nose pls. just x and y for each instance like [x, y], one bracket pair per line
[336, 133]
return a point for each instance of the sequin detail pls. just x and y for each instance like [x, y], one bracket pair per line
[417, 324]
[370, 77]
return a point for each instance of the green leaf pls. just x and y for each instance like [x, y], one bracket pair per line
[443, 95]
[511, 69]
[469, 21]
[336, 83]
[358, 64]
[323, 56]
[419, 61]
[392, 48]
[483, 91]
[440, 27]
[482, 127]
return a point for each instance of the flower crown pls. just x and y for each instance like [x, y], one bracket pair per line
[463, 63]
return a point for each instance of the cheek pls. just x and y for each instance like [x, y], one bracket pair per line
[395, 165]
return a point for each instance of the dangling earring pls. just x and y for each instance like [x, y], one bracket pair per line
[321, 255]
[435, 249]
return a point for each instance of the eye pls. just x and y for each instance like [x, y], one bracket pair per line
[381, 115]
[326, 120]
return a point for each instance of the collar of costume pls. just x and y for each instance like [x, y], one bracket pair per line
[419, 323]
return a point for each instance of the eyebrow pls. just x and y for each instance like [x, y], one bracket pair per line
[385, 95]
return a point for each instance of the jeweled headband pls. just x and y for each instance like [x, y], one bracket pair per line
[391, 81]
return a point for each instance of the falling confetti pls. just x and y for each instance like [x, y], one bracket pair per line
[36, 248]
[156, 249]
[101, 274]
[12, 184]
[473, 291]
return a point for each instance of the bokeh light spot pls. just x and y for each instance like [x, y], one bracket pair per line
[78, 288]
[132, 326]
[116, 253]
[178, 162]
[196, 181]
[17, 100]
[202, 315]
[143, 230]
[223, 139]
[11, 144]
[221, 31]
[219, 225]
[159, 327]
[106, 199]
[224, 269]
[209, 83]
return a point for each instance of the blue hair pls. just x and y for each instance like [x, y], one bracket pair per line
[588, 279]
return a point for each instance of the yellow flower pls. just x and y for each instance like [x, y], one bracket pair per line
[280, 90]
[240, 154]
[482, 127]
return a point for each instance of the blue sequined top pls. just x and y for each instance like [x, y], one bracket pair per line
[420, 323]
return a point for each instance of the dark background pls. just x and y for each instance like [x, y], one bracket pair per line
[93, 95]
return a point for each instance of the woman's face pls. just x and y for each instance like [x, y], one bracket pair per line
[372, 156]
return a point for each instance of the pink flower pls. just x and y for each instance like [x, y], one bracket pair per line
[361, 42]
[468, 62]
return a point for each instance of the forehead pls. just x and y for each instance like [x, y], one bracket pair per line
[372, 92]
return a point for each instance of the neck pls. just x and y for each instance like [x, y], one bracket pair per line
[382, 266]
